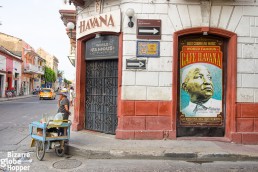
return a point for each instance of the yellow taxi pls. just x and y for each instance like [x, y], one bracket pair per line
[47, 93]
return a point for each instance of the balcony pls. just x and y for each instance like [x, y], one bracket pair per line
[41, 70]
[33, 69]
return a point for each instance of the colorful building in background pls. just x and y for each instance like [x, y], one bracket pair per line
[51, 62]
[10, 72]
[31, 65]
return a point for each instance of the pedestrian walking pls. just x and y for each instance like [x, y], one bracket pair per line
[71, 96]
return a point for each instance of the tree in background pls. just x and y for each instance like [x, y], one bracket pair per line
[67, 82]
[50, 75]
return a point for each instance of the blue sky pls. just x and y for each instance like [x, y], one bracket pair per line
[38, 23]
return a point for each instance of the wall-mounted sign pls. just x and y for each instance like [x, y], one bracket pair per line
[148, 49]
[201, 82]
[135, 64]
[148, 29]
[107, 22]
[104, 47]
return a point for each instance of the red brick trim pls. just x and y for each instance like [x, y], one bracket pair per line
[248, 110]
[127, 108]
[79, 106]
[250, 138]
[236, 137]
[124, 134]
[246, 124]
[145, 120]
[256, 125]
[144, 134]
[158, 123]
[132, 126]
[153, 135]
[146, 108]
[120, 68]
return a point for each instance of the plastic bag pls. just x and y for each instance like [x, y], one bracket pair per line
[58, 116]
[46, 118]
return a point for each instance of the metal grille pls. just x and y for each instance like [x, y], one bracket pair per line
[101, 95]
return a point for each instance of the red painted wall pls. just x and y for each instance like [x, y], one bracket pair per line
[9, 70]
[9, 64]
[145, 120]
[246, 123]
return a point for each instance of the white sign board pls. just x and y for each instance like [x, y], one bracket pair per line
[106, 22]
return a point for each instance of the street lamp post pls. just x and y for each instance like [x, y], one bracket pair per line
[70, 26]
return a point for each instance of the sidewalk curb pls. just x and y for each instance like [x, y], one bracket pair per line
[189, 156]
[16, 98]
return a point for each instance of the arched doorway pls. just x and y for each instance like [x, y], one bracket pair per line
[88, 114]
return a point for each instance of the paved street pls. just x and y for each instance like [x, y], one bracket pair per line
[52, 163]
[15, 118]
[17, 114]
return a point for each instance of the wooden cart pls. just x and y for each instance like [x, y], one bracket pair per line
[45, 140]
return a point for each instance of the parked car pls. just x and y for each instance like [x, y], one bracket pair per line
[47, 93]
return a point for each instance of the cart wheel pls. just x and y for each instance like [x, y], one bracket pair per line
[40, 150]
[59, 151]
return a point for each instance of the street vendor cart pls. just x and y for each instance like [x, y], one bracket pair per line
[53, 134]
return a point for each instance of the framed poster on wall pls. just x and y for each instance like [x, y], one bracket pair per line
[201, 82]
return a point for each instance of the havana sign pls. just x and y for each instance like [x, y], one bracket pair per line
[107, 22]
